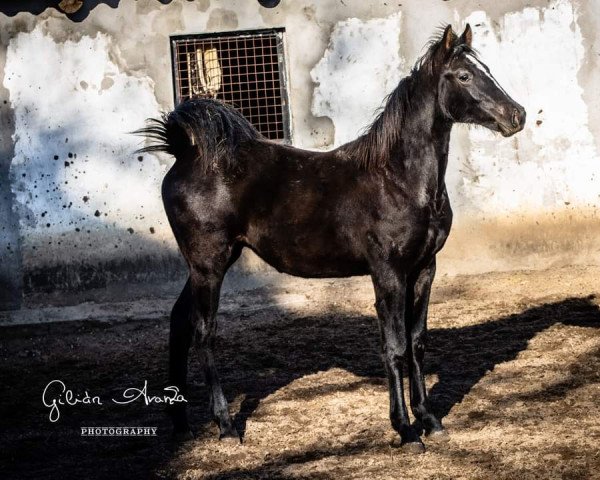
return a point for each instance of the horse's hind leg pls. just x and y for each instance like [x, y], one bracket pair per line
[194, 319]
[180, 339]
[206, 291]
[416, 332]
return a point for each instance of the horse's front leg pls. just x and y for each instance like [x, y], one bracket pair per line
[390, 295]
[418, 293]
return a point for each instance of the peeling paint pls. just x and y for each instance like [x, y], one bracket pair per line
[75, 176]
[536, 54]
[361, 65]
[486, 174]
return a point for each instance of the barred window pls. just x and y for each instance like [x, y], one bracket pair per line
[245, 69]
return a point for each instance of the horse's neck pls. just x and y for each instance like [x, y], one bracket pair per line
[423, 149]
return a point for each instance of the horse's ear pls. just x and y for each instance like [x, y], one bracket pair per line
[448, 38]
[443, 48]
[467, 36]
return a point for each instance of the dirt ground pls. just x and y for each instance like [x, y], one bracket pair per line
[513, 367]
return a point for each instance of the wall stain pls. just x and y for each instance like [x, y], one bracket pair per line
[222, 19]
[106, 83]
[11, 259]
[81, 276]
[202, 5]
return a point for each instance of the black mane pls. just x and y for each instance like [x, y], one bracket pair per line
[374, 147]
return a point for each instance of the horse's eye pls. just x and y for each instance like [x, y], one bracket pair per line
[464, 77]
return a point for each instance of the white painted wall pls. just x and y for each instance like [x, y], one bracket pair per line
[74, 165]
[520, 202]
[361, 65]
[552, 163]
[537, 53]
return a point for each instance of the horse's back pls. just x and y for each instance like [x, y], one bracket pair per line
[309, 214]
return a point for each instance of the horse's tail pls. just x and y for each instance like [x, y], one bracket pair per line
[205, 130]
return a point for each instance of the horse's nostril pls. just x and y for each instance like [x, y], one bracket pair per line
[516, 120]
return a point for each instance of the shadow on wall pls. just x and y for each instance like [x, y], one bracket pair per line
[10, 257]
[90, 213]
[10, 243]
[77, 230]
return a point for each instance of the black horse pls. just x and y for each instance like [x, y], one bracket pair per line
[376, 206]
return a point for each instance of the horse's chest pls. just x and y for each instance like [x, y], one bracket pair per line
[437, 233]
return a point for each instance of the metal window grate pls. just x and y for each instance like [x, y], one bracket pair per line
[245, 69]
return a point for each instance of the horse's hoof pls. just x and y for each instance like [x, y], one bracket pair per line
[230, 437]
[183, 436]
[413, 447]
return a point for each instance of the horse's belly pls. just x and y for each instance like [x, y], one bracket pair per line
[313, 258]
[302, 265]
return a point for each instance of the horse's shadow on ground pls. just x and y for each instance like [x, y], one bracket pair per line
[268, 355]
[256, 356]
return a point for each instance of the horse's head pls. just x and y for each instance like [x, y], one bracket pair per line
[467, 91]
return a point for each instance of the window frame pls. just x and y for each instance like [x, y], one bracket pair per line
[281, 60]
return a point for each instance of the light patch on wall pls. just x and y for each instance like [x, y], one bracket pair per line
[74, 168]
[360, 67]
[536, 55]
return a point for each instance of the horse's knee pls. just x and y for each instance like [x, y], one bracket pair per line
[394, 352]
[205, 343]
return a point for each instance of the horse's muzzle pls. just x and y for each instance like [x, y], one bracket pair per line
[516, 123]
[518, 118]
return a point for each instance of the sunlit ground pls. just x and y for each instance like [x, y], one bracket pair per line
[513, 367]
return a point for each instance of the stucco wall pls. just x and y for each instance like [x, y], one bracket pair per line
[79, 209]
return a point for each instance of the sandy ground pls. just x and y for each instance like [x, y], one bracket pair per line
[513, 368]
